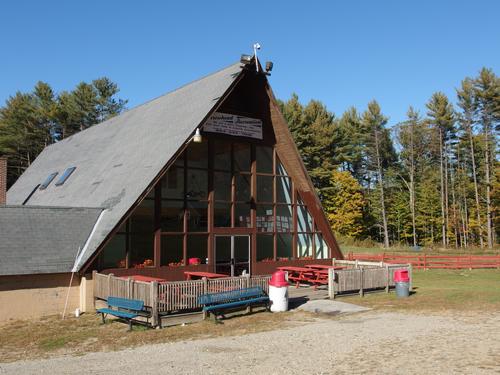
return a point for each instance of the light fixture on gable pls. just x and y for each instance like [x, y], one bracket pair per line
[197, 138]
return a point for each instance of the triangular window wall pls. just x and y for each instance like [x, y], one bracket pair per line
[219, 184]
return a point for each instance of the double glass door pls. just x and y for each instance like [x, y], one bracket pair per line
[232, 254]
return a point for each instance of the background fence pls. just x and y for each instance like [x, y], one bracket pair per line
[424, 261]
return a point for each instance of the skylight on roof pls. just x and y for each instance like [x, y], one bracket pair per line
[65, 176]
[48, 180]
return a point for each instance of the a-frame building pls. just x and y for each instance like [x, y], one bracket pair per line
[161, 201]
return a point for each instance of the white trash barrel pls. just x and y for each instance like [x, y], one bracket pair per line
[278, 292]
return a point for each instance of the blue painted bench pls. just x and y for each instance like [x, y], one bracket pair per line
[247, 297]
[123, 308]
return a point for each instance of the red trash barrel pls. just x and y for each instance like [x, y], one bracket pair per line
[278, 292]
[402, 281]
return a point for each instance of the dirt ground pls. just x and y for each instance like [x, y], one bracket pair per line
[374, 342]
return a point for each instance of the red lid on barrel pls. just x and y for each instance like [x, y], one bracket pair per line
[278, 279]
[401, 275]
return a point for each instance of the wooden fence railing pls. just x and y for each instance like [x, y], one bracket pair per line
[183, 295]
[424, 261]
[172, 296]
[360, 276]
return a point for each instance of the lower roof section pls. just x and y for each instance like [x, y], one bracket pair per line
[43, 239]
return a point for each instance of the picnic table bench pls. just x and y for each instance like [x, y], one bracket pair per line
[246, 297]
[306, 274]
[123, 308]
[191, 275]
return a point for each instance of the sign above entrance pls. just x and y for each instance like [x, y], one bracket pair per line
[235, 125]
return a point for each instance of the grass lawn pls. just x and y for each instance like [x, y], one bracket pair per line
[76, 336]
[442, 290]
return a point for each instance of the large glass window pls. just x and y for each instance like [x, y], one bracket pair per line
[265, 218]
[265, 248]
[222, 155]
[265, 188]
[172, 250]
[242, 215]
[197, 155]
[243, 183]
[284, 216]
[321, 247]
[222, 214]
[284, 246]
[223, 167]
[173, 183]
[305, 245]
[264, 156]
[172, 216]
[197, 249]
[114, 253]
[222, 186]
[242, 157]
[197, 216]
[141, 235]
[197, 184]
[284, 190]
[304, 220]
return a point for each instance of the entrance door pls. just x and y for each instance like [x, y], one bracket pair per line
[232, 254]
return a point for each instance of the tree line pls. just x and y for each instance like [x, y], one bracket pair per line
[432, 179]
[31, 121]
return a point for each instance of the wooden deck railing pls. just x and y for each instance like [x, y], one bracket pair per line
[360, 276]
[172, 296]
[424, 261]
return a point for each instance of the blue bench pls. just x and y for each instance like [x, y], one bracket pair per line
[247, 297]
[123, 308]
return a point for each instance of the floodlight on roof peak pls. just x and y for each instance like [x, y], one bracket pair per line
[246, 59]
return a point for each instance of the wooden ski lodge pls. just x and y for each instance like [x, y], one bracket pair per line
[205, 178]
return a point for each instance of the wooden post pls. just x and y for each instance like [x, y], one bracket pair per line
[425, 262]
[388, 278]
[361, 292]
[109, 285]
[356, 263]
[331, 283]
[410, 269]
[154, 303]
[205, 290]
[94, 287]
[129, 288]
[333, 261]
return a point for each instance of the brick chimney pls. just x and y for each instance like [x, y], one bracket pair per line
[3, 180]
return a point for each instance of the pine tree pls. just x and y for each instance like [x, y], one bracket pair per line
[487, 91]
[380, 153]
[441, 115]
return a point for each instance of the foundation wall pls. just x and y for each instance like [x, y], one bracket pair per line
[34, 296]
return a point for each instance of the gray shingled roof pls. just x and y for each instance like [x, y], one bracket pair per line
[42, 239]
[117, 159]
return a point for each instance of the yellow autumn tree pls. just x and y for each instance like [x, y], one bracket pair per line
[343, 203]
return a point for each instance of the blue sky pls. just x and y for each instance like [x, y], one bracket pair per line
[342, 53]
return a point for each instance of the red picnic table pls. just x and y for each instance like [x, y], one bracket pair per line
[146, 279]
[324, 266]
[190, 275]
[298, 274]
[309, 275]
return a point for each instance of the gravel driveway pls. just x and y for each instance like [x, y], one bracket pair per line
[371, 342]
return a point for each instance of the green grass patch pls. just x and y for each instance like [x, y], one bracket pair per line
[438, 290]
[53, 343]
